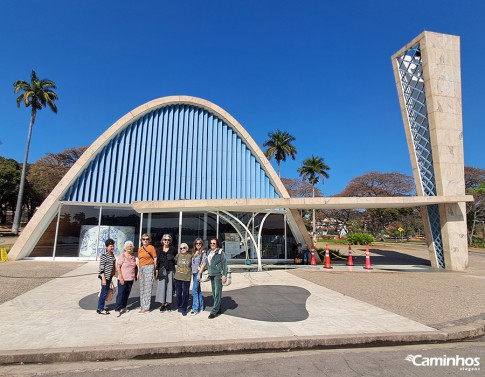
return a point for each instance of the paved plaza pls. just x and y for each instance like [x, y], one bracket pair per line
[55, 319]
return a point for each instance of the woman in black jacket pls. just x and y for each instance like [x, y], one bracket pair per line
[165, 271]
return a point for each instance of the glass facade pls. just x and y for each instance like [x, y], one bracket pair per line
[45, 245]
[79, 229]
[83, 229]
[71, 221]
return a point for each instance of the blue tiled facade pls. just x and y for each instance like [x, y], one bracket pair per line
[174, 152]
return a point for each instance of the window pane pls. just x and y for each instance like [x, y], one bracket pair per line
[73, 220]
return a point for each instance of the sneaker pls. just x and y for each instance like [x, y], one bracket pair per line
[184, 313]
[193, 312]
[162, 309]
[117, 314]
[212, 316]
[124, 310]
[168, 308]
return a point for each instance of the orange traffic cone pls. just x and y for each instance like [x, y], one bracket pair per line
[327, 258]
[313, 260]
[350, 262]
[367, 259]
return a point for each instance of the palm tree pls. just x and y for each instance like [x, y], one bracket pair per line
[36, 95]
[279, 145]
[313, 169]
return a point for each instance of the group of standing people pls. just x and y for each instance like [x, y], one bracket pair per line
[170, 268]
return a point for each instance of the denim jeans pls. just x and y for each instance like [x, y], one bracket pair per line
[305, 257]
[123, 294]
[197, 298]
[182, 289]
[103, 294]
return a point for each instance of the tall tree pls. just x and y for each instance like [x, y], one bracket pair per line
[375, 184]
[474, 177]
[44, 174]
[313, 169]
[280, 146]
[297, 188]
[380, 184]
[475, 211]
[37, 94]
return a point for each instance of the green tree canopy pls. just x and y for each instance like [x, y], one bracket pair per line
[9, 182]
[279, 145]
[313, 169]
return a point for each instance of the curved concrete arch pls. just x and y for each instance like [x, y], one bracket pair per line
[46, 212]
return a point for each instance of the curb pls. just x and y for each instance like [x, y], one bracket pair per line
[463, 332]
[182, 349]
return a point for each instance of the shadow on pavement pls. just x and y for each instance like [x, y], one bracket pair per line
[269, 303]
[385, 258]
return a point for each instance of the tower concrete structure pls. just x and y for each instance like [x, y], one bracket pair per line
[428, 80]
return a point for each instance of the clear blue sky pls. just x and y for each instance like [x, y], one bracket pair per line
[320, 70]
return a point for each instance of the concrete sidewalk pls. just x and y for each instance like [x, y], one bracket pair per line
[269, 310]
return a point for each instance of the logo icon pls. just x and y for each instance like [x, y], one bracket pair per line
[463, 363]
[411, 358]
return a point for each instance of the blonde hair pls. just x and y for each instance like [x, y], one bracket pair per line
[146, 235]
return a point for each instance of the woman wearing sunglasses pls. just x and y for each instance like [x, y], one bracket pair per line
[165, 270]
[147, 260]
[126, 268]
[217, 266]
[199, 261]
[183, 274]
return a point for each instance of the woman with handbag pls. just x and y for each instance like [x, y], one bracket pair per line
[165, 269]
[126, 268]
[147, 260]
[106, 274]
[217, 266]
[199, 261]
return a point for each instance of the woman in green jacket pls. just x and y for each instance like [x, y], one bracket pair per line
[217, 267]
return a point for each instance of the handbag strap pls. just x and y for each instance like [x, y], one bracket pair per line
[220, 261]
[151, 256]
[201, 257]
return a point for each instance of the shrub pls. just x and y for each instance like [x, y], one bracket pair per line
[359, 239]
[478, 242]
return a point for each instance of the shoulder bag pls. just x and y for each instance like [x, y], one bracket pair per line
[228, 274]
